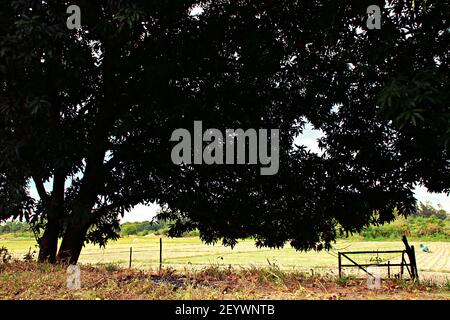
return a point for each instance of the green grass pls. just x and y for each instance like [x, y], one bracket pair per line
[191, 252]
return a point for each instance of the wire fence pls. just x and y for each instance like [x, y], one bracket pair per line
[154, 253]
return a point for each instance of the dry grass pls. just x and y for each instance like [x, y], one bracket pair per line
[29, 280]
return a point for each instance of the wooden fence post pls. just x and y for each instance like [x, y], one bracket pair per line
[131, 254]
[412, 259]
[160, 255]
[340, 265]
[414, 264]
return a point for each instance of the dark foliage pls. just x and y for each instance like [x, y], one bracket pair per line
[91, 112]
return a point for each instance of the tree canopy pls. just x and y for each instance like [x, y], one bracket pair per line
[91, 111]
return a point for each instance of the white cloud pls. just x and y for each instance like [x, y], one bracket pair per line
[141, 213]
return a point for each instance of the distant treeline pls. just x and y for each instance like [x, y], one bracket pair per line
[425, 228]
[147, 227]
[427, 222]
[22, 229]
[427, 210]
[15, 227]
[143, 228]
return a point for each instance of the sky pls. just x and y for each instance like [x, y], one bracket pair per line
[309, 139]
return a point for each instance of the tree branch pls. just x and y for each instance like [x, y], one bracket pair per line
[41, 189]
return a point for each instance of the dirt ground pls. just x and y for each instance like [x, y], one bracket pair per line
[29, 280]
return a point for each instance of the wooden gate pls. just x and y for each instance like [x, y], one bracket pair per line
[409, 265]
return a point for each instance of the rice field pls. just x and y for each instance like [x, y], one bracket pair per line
[182, 253]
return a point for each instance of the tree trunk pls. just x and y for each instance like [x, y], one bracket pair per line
[54, 204]
[71, 245]
[48, 243]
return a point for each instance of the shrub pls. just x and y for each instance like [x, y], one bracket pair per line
[431, 227]
[5, 256]
[14, 227]
[141, 228]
